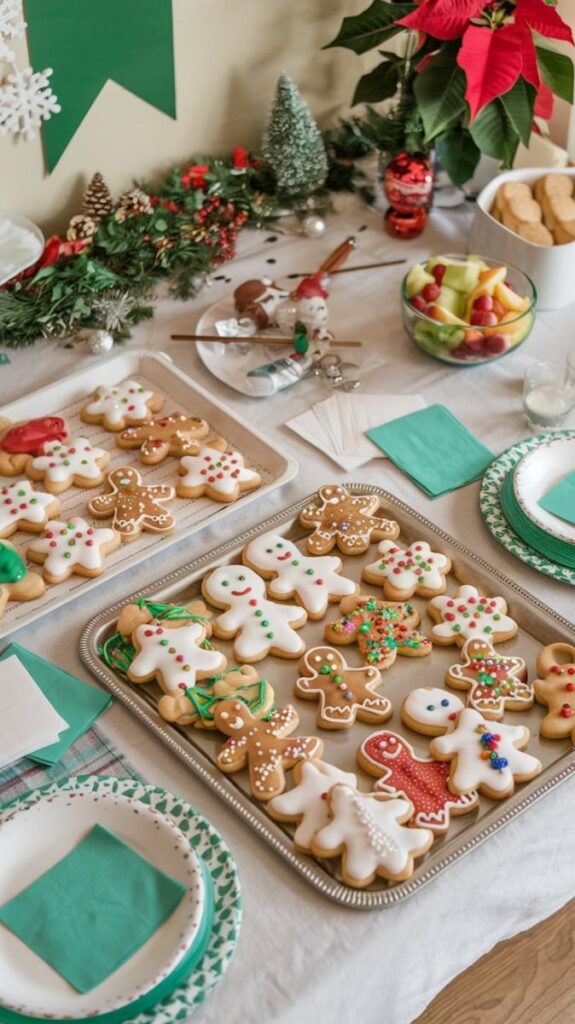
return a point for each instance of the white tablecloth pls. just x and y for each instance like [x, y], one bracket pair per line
[301, 958]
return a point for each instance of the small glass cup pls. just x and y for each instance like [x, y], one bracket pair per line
[548, 396]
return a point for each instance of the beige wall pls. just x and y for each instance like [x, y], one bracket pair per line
[228, 54]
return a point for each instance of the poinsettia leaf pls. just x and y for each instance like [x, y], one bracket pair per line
[361, 32]
[443, 19]
[379, 84]
[492, 62]
[543, 18]
[544, 102]
[557, 72]
[519, 102]
[493, 132]
[440, 92]
[458, 154]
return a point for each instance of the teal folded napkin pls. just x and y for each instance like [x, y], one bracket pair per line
[433, 449]
[79, 704]
[90, 912]
[560, 500]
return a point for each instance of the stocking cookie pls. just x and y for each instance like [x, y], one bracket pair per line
[196, 706]
[260, 627]
[72, 547]
[556, 689]
[267, 748]
[430, 711]
[367, 829]
[218, 474]
[306, 803]
[312, 582]
[16, 582]
[75, 463]
[381, 629]
[24, 508]
[344, 693]
[495, 683]
[490, 761]
[403, 572]
[18, 441]
[467, 614]
[344, 519]
[133, 506]
[121, 405]
[173, 655]
[421, 780]
[169, 435]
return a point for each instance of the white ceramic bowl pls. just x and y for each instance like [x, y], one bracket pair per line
[535, 475]
[551, 267]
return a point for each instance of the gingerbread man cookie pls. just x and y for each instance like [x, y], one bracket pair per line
[196, 706]
[467, 614]
[306, 803]
[72, 547]
[24, 508]
[216, 472]
[344, 693]
[556, 689]
[133, 506]
[491, 762]
[16, 582]
[403, 572]
[173, 655]
[381, 629]
[344, 519]
[121, 405]
[368, 830]
[421, 780]
[430, 711]
[260, 627]
[18, 441]
[175, 434]
[146, 609]
[312, 582]
[75, 463]
[496, 683]
[267, 748]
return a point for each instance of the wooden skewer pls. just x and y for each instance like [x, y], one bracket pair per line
[337, 257]
[350, 270]
[257, 339]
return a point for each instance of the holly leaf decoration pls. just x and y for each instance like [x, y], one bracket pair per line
[440, 92]
[556, 71]
[458, 154]
[372, 27]
[377, 85]
[443, 19]
[494, 134]
[492, 62]
[519, 103]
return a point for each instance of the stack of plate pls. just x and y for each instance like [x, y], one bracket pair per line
[184, 958]
[510, 494]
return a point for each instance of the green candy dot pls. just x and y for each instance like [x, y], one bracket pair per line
[325, 670]
[67, 554]
[258, 613]
[84, 462]
[71, 543]
[264, 623]
[337, 679]
[33, 501]
[496, 618]
[66, 462]
[309, 572]
[295, 561]
[20, 493]
[457, 629]
[269, 636]
[164, 643]
[487, 629]
[364, 628]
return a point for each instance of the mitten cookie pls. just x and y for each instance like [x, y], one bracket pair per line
[495, 683]
[421, 780]
[556, 689]
[344, 693]
[72, 547]
[260, 627]
[196, 706]
[381, 629]
[75, 463]
[132, 505]
[266, 748]
[312, 582]
[468, 614]
[403, 572]
[18, 441]
[216, 472]
[347, 520]
[175, 434]
[120, 405]
[491, 762]
[24, 508]
[16, 582]
[367, 829]
[306, 803]
[430, 711]
[174, 655]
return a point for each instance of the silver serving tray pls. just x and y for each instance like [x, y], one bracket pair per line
[538, 624]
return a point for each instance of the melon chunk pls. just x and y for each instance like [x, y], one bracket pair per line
[416, 280]
[463, 277]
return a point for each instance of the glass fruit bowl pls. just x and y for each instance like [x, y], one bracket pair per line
[467, 310]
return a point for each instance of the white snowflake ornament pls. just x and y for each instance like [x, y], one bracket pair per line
[12, 26]
[26, 100]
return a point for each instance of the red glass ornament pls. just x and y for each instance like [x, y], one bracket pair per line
[408, 185]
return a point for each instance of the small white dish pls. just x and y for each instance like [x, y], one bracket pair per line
[535, 474]
[21, 245]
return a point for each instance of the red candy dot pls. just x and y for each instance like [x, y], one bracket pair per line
[148, 632]
[570, 687]
[449, 616]
[179, 657]
[253, 602]
[89, 543]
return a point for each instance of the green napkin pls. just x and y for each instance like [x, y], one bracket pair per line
[77, 702]
[93, 910]
[434, 449]
[560, 500]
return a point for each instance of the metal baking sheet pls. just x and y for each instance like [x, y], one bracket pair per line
[152, 369]
[539, 625]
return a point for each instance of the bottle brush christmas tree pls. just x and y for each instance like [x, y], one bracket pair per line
[292, 145]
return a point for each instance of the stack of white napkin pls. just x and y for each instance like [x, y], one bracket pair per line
[28, 721]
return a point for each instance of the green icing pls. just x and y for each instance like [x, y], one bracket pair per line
[12, 567]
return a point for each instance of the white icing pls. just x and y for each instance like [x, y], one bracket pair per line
[406, 569]
[71, 543]
[308, 798]
[461, 618]
[471, 770]
[76, 457]
[128, 400]
[223, 472]
[314, 580]
[431, 706]
[369, 829]
[170, 659]
[19, 501]
[259, 623]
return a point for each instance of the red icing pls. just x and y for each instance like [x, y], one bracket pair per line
[29, 438]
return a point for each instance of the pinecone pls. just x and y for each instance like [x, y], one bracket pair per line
[80, 227]
[97, 202]
[133, 204]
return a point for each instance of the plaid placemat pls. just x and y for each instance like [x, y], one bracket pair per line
[91, 754]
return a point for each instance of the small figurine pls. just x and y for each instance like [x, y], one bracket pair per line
[258, 300]
[310, 296]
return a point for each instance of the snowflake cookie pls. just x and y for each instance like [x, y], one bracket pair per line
[121, 405]
[175, 434]
[556, 689]
[17, 583]
[381, 629]
[216, 472]
[72, 547]
[63, 465]
[24, 508]
[496, 682]
[430, 710]
[306, 802]
[468, 614]
[403, 572]
[133, 506]
[173, 655]
[347, 520]
[344, 693]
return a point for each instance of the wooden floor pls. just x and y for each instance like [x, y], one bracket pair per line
[529, 979]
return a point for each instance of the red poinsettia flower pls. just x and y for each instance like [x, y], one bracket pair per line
[240, 158]
[194, 177]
